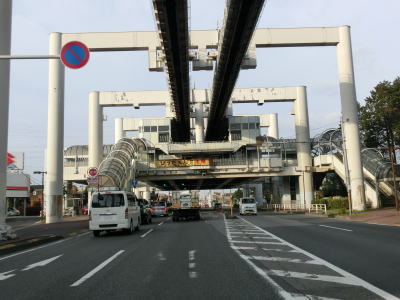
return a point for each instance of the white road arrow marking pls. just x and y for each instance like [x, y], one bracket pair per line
[41, 263]
[4, 276]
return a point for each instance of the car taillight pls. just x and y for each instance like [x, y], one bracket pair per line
[126, 213]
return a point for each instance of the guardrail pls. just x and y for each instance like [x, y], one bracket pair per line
[317, 208]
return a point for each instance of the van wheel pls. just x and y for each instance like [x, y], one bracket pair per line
[130, 229]
[96, 233]
[137, 228]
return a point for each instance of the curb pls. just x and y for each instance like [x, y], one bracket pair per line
[23, 244]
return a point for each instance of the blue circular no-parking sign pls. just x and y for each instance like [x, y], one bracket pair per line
[74, 55]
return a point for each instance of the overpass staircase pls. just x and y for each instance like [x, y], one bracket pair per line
[328, 154]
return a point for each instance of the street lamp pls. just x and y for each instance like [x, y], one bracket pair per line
[41, 201]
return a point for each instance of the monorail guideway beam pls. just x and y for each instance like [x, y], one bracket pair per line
[172, 24]
[239, 24]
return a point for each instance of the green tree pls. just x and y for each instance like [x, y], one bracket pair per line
[380, 116]
[237, 194]
[332, 185]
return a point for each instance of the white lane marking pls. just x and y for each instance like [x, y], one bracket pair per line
[97, 269]
[5, 275]
[191, 254]
[351, 279]
[41, 263]
[192, 265]
[245, 232]
[291, 274]
[161, 256]
[143, 235]
[280, 250]
[45, 246]
[282, 259]
[243, 248]
[159, 224]
[255, 242]
[279, 289]
[335, 228]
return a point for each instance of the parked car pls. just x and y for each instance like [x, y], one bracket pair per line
[145, 211]
[114, 210]
[159, 209]
[11, 211]
[84, 210]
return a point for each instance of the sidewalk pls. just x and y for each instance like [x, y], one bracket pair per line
[38, 233]
[383, 216]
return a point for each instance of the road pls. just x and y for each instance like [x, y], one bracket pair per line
[257, 257]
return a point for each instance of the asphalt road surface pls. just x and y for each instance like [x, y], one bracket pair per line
[257, 257]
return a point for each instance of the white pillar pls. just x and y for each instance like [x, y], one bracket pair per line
[273, 126]
[95, 143]
[199, 122]
[119, 129]
[55, 134]
[350, 118]
[5, 47]
[304, 160]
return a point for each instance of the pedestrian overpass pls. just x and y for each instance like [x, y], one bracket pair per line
[229, 164]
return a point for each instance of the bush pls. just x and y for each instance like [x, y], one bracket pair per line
[341, 203]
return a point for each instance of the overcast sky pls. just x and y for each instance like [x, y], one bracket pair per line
[376, 48]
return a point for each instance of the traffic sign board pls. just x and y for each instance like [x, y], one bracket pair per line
[92, 172]
[134, 181]
[74, 55]
[92, 180]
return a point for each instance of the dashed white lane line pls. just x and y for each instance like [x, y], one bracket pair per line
[351, 279]
[143, 235]
[192, 265]
[159, 224]
[333, 227]
[97, 269]
[161, 256]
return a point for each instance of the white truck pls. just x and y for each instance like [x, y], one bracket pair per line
[185, 205]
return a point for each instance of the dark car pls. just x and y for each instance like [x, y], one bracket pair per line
[145, 211]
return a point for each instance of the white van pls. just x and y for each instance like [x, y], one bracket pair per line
[110, 211]
[247, 205]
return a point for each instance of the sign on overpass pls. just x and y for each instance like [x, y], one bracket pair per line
[173, 163]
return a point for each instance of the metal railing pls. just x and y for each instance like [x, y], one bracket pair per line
[317, 208]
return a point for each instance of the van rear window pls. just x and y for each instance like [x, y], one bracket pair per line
[107, 200]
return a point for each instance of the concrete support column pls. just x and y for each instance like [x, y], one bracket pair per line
[199, 122]
[5, 47]
[273, 126]
[95, 143]
[55, 134]
[119, 129]
[304, 160]
[350, 118]
[146, 194]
